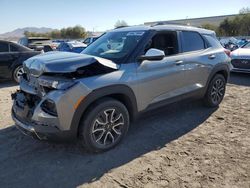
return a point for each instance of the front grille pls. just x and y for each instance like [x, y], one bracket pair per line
[241, 63]
[26, 104]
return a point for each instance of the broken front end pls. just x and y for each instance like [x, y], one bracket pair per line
[50, 92]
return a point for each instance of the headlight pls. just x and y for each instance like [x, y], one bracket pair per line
[56, 84]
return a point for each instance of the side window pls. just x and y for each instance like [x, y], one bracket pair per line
[13, 48]
[166, 42]
[4, 47]
[192, 41]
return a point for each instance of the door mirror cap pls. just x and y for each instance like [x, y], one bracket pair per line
[152, 55]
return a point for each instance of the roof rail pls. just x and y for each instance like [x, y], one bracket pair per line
[162, 23]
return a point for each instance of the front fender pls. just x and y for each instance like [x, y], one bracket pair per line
[100, 93]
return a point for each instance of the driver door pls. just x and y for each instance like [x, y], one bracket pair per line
[162, 79]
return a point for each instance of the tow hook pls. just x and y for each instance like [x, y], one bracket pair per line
[13, 96]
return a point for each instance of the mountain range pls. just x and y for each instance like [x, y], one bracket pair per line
[18, 33]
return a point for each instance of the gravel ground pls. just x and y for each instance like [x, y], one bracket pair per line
[181, 145]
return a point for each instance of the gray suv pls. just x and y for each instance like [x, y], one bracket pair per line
[95, 95]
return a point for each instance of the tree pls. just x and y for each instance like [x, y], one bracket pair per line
[34, 34]
[238, 26]
[56, 34]
[245, 25]
[244, 10]
[78, 32]
[209, 26]
[63, 33]
[225, 27]
[26, 33]
[120, 23]
[69, 33]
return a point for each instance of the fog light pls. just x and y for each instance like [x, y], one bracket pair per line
[49, 107]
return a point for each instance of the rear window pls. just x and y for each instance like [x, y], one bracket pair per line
[213, 42]
[192, 41]
[4, 47]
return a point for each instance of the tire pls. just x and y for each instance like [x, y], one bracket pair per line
[16, 73]
[216, 91]
[104, 125]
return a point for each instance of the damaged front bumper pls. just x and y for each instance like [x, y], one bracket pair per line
[48, 116]
[24, 114]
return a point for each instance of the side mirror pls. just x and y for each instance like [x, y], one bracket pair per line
[152, 55]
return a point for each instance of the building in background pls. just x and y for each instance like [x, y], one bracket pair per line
[197, 22]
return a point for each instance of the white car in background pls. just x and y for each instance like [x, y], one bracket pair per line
[241, 59]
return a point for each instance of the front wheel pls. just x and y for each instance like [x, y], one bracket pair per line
[17, 73]
[216, 91]
[104, 125]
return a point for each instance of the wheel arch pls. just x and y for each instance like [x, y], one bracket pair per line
[222, 69]
[122, 93]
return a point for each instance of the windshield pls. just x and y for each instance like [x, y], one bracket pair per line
[115, 45]
[246, 45]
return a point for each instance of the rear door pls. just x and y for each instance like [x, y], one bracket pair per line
[15, 53]
[5, 59]
[199, 59]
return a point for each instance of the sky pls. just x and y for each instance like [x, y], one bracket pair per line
[101, 15]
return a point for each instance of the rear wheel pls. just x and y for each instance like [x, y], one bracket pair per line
[104, 125]
[216, 91]
[17, 73]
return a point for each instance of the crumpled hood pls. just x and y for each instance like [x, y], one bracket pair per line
[62, 62]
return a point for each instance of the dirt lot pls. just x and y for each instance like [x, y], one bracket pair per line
[181, 145]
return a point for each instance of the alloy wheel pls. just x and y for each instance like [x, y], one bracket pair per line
[107, 127]
[218, 91]
[18, 73]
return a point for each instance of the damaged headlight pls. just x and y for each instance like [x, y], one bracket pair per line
[61, 84]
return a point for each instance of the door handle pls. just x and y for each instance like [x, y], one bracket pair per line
[211, 56]
[178, 62]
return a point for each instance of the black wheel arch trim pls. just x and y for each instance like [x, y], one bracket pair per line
[97, 94]
[218, 68]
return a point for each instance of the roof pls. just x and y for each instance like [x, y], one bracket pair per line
[16, 44]
[166, 27]
[11, 42]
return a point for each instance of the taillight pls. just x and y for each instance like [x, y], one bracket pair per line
[228, 52]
